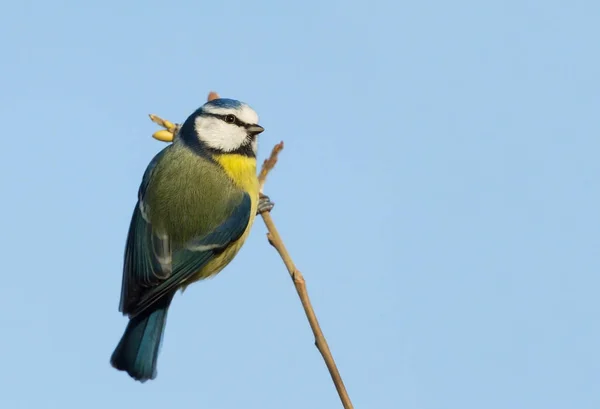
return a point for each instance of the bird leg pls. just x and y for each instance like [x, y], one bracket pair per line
[264, 204]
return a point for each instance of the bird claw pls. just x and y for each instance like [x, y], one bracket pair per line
[264, 204]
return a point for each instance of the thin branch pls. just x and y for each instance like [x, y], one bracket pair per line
[268, 165]
[167, 135]
[300, 284]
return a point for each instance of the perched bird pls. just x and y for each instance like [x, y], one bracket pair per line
[196, 203]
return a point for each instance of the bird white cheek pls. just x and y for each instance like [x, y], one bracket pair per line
[219, 135]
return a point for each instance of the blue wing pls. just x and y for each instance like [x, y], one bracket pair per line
[152, 270]
[146, 254]
[187, 261]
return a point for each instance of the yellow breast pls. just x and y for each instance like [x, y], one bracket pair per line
[242, 170]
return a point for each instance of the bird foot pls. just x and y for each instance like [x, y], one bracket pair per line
[264, 204]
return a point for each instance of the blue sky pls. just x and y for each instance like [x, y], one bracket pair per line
[439, 191]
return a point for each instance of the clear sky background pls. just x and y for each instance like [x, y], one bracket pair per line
[439, 190]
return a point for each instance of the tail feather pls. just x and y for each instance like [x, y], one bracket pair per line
[137, 351]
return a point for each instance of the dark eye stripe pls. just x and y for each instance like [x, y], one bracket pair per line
[236, 122]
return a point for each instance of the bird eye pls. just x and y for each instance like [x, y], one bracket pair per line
[230, 119]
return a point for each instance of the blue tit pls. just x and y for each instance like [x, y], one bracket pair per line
[196, 203]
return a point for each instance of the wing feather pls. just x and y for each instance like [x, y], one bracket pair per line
[152, 268]
[198, 252]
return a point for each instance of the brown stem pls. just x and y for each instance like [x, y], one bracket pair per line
[300, 284]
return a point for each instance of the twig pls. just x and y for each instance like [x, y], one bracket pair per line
[268, 165]
[275, 240]
[300, 284]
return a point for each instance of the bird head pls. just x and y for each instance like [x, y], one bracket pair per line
[222, 126]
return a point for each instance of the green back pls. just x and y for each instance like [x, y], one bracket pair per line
[189, 195]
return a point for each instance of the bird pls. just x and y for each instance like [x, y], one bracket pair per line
[196, 204]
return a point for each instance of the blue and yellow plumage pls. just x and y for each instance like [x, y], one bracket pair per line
[196, 203]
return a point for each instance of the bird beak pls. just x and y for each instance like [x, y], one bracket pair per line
[255, 129]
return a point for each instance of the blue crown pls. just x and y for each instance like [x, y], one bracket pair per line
[224, 103]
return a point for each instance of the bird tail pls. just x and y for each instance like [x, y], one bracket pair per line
[137, 352]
